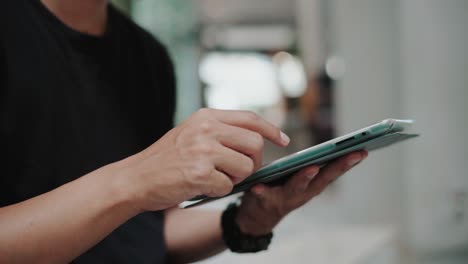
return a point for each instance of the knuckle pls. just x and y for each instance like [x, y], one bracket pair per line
[206, 127]
[251, 167]
[205, 150]
[204, 111]
[201, 171]
[258, 144]
[252, 116]
[226, 188]
[248, 168]
[221, 189]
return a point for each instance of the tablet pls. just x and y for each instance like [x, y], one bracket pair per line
[382, 134]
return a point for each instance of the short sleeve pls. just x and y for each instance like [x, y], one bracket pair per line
[170, 91]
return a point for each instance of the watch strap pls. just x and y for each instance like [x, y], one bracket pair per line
[235, 239]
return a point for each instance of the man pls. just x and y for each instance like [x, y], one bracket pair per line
[93, 171]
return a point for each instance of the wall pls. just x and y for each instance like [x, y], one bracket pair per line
[435, 82]
[365, 37]
[408, 59]
[173, 22]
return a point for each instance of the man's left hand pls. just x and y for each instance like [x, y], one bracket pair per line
[263, 207]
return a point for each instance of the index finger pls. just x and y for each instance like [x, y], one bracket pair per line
[251, 121]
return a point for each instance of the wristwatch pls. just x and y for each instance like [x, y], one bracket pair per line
[235, 239]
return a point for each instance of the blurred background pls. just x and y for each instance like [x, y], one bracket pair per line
[322, 68]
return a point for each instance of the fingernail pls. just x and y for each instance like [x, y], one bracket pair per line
[284, 138]
[354, 161]
[312, 175]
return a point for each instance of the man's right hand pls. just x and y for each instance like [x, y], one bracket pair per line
[205, 155]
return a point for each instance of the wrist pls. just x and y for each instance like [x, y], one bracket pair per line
[123, 187]
[238, 241]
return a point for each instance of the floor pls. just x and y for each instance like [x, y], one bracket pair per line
[301, 239]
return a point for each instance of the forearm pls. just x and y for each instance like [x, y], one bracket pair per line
[193, 235]
[60, 225]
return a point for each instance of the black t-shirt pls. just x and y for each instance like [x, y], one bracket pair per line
[71, 103]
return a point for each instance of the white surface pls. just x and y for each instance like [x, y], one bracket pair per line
[333, 245]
